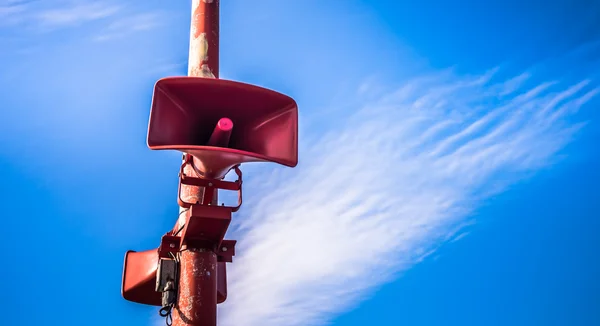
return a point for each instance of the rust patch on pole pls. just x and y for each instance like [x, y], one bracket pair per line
[204, 39]
[203, 61]
[197, 300]
[197, 295]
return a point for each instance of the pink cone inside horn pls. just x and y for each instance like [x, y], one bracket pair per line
[220, 136]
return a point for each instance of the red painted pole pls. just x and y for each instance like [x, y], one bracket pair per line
[203, 61]
[197, 299]
[204, 39]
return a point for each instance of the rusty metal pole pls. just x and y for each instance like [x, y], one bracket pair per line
[204, 39]
[197, 298]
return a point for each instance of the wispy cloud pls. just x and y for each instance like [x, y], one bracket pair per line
[129, 25]
[384, 187]
[8, 8]
[12, 10]
[59, 14]
[460, 236]
[115, 20]
[76, 13]
[171, 69]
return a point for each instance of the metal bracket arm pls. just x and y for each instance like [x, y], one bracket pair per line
[209, 185]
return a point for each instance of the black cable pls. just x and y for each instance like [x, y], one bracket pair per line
[166, 312]
[181, 228]
[199, 173]
[169, 294]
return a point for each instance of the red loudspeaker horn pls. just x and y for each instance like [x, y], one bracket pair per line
[139, 278]
[223, 123]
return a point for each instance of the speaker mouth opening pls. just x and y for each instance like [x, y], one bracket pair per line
[223, 123]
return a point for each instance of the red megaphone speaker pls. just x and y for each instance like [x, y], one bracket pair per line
[223, 123]
[139, 277]
[140, 269]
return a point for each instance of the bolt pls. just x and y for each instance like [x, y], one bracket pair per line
[172, 245]
[224, 248]
[210, 184]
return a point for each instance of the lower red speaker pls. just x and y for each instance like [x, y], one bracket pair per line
[139, 278]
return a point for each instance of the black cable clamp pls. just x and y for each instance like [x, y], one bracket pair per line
[166, 283]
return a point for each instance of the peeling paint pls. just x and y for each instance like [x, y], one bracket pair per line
[202, 47]
[205, 71]
[198, 63]
[204, 39]
[197, 295]
[196, 15]
[198, 292]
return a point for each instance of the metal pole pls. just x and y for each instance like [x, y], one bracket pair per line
[197, 299]
[204, 39]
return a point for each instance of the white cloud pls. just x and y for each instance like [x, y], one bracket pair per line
[59, 14]
[460, 236]
[514, 83]
[114, 19]
[129, 25]
[168, 68]
[11, 11]
[383, 188]
[77, 13]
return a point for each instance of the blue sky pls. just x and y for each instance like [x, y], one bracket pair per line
[478, 121]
